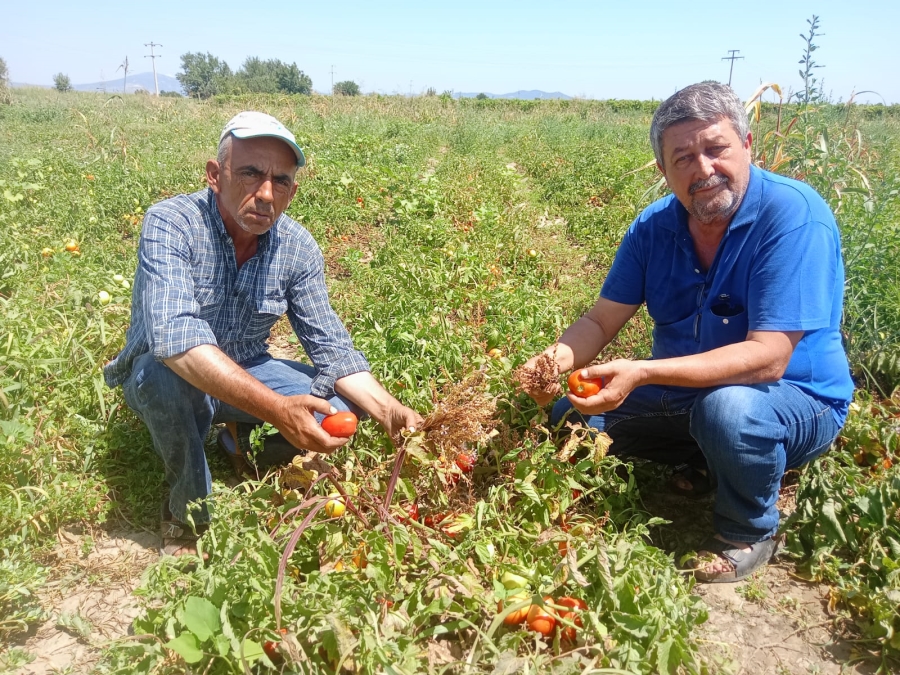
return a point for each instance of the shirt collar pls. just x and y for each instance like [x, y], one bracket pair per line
[745, 215]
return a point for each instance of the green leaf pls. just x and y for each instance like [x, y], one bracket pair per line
[185, 645]
[251, 650]
[201, 617]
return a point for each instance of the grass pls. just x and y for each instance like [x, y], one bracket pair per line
[449, 228]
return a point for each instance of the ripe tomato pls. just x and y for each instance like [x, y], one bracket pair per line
[542, 619]
[341, 425]
[466, 461]
[71, 245]
[412, 510]
[335, 507]
[577, 605]
[572, 603]
[584, 387]
[563, 547]
[518, 616]
[270, 647]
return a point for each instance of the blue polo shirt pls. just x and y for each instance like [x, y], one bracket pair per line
[778, 268]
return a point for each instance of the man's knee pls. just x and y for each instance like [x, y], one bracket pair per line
[722, 416]
[155, 386]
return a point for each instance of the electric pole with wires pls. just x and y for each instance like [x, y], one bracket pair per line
[153, 58]
[732, 58]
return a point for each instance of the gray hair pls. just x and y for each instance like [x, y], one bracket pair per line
[224, 150]
[707, 101]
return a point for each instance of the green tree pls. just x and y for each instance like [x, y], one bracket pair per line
[272, 76]
[346, 88]
[62, 82]
[204, 75]
[4, 82]
[481, 96]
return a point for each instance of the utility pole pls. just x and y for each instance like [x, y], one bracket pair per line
[332, 79]
[153, 58]
[732, 58]
[124, 67]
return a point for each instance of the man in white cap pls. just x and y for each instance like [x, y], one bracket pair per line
[216, 269]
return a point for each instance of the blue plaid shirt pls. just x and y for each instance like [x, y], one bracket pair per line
[188, 291]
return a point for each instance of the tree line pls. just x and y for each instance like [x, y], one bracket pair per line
[205, 75]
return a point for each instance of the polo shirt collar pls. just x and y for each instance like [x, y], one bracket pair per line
[745, 215]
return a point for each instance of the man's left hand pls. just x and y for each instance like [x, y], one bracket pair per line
[398, 418]
[620, 377]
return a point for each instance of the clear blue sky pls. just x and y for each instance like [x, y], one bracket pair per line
[624, 49]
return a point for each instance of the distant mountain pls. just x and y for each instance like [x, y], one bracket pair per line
[139, 81]
[521, 94]
[135, 82]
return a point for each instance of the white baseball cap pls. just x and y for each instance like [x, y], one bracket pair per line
[252, 124]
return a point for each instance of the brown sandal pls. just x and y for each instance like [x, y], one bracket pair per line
[177, 538]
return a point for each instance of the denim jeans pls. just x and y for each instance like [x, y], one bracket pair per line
[749, 435]
[179, 417]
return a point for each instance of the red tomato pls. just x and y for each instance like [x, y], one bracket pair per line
[541, 619]
[466, 461]
[584, 387]
[577, 605]
[563, 547]
[341, 425]
[412, 510]
[270, 647]
[519, 615]
[572, 603]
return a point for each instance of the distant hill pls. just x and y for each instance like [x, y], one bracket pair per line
[135, 82]
[139, 81]
[521, 94]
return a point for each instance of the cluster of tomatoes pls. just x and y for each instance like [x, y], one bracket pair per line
[543, 617]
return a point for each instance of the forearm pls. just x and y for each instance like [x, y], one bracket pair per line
[366, 392]
[213, 372]
[747, 362]
[579, 344]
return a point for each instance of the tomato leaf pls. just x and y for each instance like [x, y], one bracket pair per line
[251, 650]
[201, 617]
[185, 645]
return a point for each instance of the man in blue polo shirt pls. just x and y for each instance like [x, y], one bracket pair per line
[741, 272]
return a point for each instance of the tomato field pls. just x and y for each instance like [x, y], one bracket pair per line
[461, 238]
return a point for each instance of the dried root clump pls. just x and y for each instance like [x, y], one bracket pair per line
[543, 377]
[463, 415]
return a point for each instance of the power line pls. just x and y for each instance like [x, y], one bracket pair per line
[153, 58]
[732, 58]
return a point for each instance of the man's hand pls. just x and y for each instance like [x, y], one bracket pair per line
[620, 377]
[530, 381]
[400, 417]
[366, 392]
[297, 424]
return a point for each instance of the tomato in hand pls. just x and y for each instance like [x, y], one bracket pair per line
[584, 387]
[340, 425]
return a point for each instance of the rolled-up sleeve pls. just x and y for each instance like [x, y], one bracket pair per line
[171, 311]
[319, 329]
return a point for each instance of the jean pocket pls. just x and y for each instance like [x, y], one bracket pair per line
[265, 312]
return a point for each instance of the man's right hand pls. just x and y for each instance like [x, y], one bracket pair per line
[297, 424]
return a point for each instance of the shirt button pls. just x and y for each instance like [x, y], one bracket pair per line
[724, 320]
[697, 271]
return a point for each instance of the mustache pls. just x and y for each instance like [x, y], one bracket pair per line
[712, 181]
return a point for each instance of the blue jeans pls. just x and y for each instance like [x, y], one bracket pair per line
[179, 417]
[749, 435]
